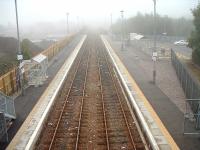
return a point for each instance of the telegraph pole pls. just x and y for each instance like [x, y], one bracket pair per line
[122, 34]
[154, 55]
[111, 24]
[111, 20]
[19, 55]
[77, 23]
[67, 23]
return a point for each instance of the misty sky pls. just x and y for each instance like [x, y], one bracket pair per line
[33, 11]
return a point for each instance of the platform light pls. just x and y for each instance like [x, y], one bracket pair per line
[122, 31]
[154, 54]
[67, 22]
[19, 54]
[111, 25]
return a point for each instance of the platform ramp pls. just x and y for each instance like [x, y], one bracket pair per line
[7, 106]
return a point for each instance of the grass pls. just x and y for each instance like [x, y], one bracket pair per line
[6, 65]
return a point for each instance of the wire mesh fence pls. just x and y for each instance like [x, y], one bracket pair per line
[191, 87]
[3, 128]
[7, 106]
[190, 84]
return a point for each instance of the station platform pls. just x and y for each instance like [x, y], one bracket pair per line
[25, 103]
[28, 133]
[156, 132]
[152, 123]
[169, 113]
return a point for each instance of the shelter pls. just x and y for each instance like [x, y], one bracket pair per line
[36, 70]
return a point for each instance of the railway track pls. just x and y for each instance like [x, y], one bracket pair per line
[91, 111]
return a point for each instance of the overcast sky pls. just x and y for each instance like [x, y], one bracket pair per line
[33, 11]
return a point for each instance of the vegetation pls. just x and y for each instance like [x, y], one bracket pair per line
[144, 24]
[26, 49]
[194, 40]
[8, 51]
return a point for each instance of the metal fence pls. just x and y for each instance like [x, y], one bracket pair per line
[7, 106]
[191, 119]
[3, 128]
[189, 83]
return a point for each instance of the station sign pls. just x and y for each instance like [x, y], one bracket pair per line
[155, 54]
[19, 57]
[154, 58]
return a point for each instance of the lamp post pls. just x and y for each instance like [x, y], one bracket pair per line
[67, 23]
[154, 55]
[77, 18]
[122, 33]
[111, 25]
[19, 54]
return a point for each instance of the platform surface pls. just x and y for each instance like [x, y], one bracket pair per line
[168, 112]
[156, 132]
[24, 104]
[25, 133]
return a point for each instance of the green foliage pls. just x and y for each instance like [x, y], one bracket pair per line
[26, 49]
[194, 40]
[144, 24]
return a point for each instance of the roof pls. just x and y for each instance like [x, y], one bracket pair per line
[135, 36]
[39, 58]
[138, 37]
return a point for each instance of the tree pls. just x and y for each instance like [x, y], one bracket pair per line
[194, 40]
[25, 49]
[144, 24]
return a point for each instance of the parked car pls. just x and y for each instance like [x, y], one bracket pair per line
[181, 42]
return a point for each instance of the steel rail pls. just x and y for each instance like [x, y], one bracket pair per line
[149, 136]
[119, 99]
[55, 131]
[82, 102]
[103, 106]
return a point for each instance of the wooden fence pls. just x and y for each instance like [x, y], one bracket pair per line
[8, 81]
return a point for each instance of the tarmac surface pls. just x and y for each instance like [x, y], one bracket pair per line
[160, 95]
[24, 104]
[163, 43]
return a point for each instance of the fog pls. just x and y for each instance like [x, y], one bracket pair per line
[40, 18]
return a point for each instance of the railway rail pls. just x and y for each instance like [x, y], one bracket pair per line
[91, 110]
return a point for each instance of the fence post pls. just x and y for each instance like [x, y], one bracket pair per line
[11, 81]
[4, 86]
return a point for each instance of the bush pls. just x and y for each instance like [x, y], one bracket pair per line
[194, 40]
[26, 49]
[196, 58]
